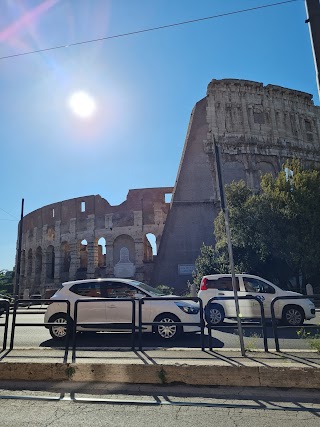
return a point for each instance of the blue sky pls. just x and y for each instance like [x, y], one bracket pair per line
[144, 86]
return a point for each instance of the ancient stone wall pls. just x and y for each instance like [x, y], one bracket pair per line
[86, 237]
[258, 128]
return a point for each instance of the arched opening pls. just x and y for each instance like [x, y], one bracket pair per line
[149, 247]
[50, 261]
[124, 256]
[29, 271]
[102, 243]
[38, 266]
[65, 261]
[84, 255]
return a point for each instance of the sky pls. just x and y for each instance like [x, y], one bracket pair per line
[143, 86]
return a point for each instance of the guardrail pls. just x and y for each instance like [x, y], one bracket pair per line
[42, 301]
[102, 324]
[274, 320]
[6, 325]
[171, 298]
[262, 318]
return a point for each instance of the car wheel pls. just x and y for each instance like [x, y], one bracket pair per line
[293, 315]
[167, 331]
[59, 331]
[214, 314]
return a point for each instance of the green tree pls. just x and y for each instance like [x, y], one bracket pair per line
[6, 282]
[275, 233]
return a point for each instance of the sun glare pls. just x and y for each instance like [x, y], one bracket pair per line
[82, 104]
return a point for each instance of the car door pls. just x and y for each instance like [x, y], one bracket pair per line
[94, 311]
[261, 290]
[120, 312]
[223, 288]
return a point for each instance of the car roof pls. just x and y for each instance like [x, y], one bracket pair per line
[102, 279]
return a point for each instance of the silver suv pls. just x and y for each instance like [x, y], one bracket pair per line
[290, 312]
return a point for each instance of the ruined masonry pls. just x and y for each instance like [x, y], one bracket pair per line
[257, 127]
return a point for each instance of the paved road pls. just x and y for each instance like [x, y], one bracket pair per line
[181, 406]
[224, 337]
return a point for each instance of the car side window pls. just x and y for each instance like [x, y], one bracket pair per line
[89, 289]
[257, 286]
[222, 284]
[119, 290]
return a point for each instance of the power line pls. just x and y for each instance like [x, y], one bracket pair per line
[8, 213]
[148, 29]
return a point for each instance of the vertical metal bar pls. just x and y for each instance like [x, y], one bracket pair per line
[263, 324]
[313, 19]
[6, 327]
[13, 327]
[274, 324]
[74, 331]
[140, 323]
[201, 323]
[17, 281]
[66, 348]
[228, 233]
[133, 328]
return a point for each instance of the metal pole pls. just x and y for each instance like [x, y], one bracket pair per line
[228, 233]
[17, 287]
[313, 19]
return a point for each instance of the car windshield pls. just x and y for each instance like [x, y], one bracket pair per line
[148, 288]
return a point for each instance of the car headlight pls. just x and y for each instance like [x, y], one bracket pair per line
[187, 308]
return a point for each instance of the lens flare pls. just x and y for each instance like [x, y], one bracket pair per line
[82, 104]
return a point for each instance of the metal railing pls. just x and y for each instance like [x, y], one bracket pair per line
[274, 320]
[170, 298]
[246, 297]
[5, 324]
[42, 301]
[102, 325]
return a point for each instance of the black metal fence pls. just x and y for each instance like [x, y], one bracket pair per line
[275, 325]
[246, 297]
[137, 324]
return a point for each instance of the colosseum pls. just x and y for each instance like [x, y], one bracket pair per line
[257, 128]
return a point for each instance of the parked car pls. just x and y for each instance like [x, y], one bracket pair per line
[290, 312]
[3, 302]
[119, 312]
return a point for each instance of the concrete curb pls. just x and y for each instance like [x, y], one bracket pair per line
[201, 375]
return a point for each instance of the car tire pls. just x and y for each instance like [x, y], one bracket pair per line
[167, 331]
[214, 314]
[293, 315]
[59, 332]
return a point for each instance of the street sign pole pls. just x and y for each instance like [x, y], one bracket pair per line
[313, 19]
[228, 233]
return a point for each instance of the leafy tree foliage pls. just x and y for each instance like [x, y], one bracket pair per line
[6, 282]
[275, 233]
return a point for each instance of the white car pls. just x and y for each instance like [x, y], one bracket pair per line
[290, 312]
[119, 313]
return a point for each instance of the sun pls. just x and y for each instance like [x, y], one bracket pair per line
[82, 104]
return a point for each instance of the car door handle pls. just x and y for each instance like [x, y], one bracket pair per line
[111, 306]
[220, 293]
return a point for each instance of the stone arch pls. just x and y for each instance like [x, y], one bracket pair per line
[124, 256]
[83, 252]
[233, 171]
[102, 252]
[264, 167]
[23, 264]
[29, 268]
[38, 266]
[149, 247]
[65, 260]
[50, 262]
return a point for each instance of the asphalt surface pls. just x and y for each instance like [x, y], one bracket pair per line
[56, 404]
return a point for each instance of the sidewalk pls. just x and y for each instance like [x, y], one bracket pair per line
[288, 369]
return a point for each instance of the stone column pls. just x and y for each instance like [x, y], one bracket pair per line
[57, 253]
[139, 253]
[74, 260]
[92, 250]
[109, 257]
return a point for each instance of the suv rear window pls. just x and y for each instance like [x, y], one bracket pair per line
[223, 284]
